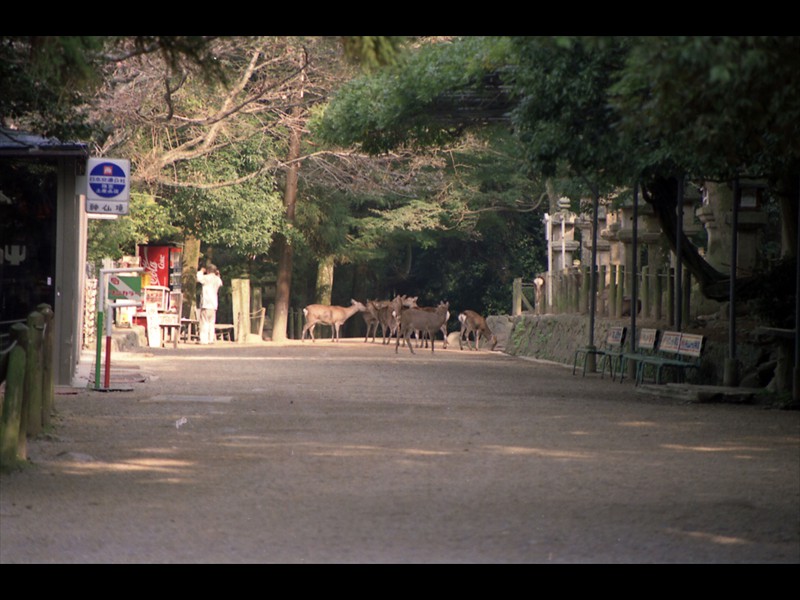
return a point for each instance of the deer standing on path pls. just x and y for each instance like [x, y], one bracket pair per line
[415, 319]
[389, 315]
[335, 316]
[422, 339]
[472, 322]
[372, 317]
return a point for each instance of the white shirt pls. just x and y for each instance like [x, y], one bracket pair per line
[211, 283]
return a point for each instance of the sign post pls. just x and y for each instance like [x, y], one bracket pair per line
[108, 186]
[124, 288]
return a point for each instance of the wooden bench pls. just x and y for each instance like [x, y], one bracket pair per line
[224, 331]
[648, 339]
[677, 351]
[609, 353]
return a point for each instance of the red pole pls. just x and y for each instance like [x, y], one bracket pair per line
[108, 360]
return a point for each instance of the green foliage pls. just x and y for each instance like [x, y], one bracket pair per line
[716, 105]
[372, 51]
[243, 218]
[45, 80]
[147, 221]
[49, 82]
[563, 117]
[393, 107]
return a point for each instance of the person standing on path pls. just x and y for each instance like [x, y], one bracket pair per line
[209, 278]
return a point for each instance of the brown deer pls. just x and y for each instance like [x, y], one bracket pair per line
[415, 319]
[389, 314]
[472, 322]
[422, 339]
[372, 319]
[335, 316]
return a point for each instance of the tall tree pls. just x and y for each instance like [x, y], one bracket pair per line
[598, 108]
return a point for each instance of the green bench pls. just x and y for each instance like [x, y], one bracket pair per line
[648, 340]
[679, 352]
[609, 353]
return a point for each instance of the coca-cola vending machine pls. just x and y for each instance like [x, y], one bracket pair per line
[161, 288]
[162, 265]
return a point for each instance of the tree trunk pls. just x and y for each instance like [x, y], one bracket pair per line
[282, 289]
[284, 284]
[324, 280]
[189, 267]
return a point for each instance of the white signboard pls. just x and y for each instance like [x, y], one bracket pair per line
[108, 186]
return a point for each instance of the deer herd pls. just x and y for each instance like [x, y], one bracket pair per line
[399, 318]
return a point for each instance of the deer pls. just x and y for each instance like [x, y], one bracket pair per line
[421, 339]
[335, 316]
[372, 319]
[388, 315]
[472, 322]
[415, 319]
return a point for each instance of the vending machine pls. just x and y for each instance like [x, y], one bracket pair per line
[161, 288]
[162, 265]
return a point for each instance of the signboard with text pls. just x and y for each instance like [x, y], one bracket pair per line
[125, 287]
[108, 186]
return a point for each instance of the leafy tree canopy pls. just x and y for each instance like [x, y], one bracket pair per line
[413, 101]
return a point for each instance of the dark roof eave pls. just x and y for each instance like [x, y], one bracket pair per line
[23, 144]
[45, 152]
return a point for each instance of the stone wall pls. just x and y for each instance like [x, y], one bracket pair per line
[556, 337]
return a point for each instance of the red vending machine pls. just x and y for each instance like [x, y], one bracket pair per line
[161, 286]
[162, 265]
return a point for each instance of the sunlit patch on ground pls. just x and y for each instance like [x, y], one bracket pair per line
[712, 537]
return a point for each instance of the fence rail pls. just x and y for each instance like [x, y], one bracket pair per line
[26, 370]
[568, 291]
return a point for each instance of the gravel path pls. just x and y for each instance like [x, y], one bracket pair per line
[353, 453]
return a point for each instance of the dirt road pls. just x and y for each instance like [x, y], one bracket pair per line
[351, 453]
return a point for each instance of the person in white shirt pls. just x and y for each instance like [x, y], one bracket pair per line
[209, 278]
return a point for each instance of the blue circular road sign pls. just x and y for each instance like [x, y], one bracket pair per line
[107, 180]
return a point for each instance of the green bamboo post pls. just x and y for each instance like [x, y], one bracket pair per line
[98, 351]
[13, 440]
[33, 373]
[48, 381]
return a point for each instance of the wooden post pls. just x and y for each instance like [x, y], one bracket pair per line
[620, 290]
[645, 287]
[33, 373]
[13, 441]
[576, 291]
[298, 327]
[658, 294]
[48, 381]
[240, 298]
[671, 297]
[602, 293]
[585, 290]
[687, 293]
[612, 293]
[516, 297]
